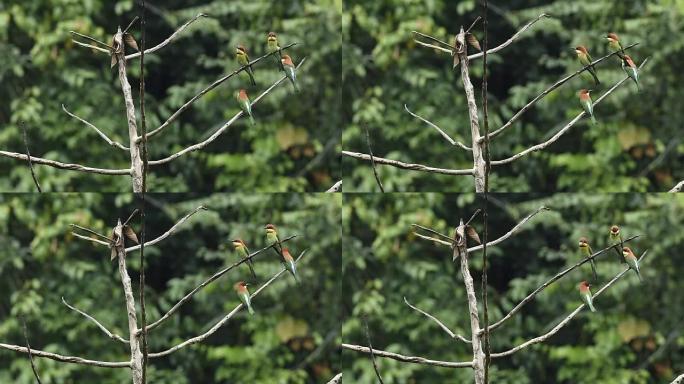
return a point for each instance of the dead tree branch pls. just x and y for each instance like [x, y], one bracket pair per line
[555, 278]
[563, 322]
[441, 132]
[221, 322]
[222, 129]
[441, 325]
[99, 132]
[563, 130]
[206, 282]
[408, 359]
[375, 171]
[67, 166]
[335, 187]
[111, 335]
[67, 359]
[678, 187]
[413, 167]
[30, 164]
[30, 355]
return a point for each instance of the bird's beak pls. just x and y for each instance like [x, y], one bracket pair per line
[590, 90]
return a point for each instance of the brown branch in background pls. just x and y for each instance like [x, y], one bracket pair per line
[408, 359]
[485, 305]
[375, 171]
[563, 130]
[370, 347]
[565, 321]
[552, 280]
[411, 166]
[30, 355]
[28, 157]
[143, 134]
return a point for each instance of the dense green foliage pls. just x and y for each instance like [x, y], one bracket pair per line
[40, 261]
[635, 147]
[292, 148]
[634, 337]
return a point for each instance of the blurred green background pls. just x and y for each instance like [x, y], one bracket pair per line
[290, 339]
[636, 335]
[292, 148]
[636, 146]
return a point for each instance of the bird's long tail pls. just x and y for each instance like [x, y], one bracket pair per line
[591, 305]
[593, 73]
[251, 268]
[251, 119]
[593, 269]
[251, 76]
[593, 121]
[249, 309]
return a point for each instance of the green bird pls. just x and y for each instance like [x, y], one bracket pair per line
[631, 260]
[616, 238]
[242, 292]
[273, 47]
[290, 264]
[614, 44]
[245, 104]
[290, 71]
[631, 70]
[585, 251]
[243, 59]
[272, 239]
[587, 104]
[585, 294]
[243, 252]
[585, 59]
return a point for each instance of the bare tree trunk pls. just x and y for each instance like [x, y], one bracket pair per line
[478, 355]
[136, 354]
[478, 160]
[134, 146]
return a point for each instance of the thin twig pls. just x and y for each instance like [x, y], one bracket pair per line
[375, 171]
[221, 322]
[436, 40]
[30, 355]
[222, 129]
[99, 132]
[411, 166]
[67, 359]
[94, 40]
[548, 90]
[66, 166]
[563, 322]
[28, 157]
[111, 335]
[408, 359]
[370, 347]
[441, 324]
[563, 130]
[441, 132]
[551, 281]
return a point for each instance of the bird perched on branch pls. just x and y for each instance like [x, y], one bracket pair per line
[585, 251]
[290, 71]
[585, 294]
[585, 59]
[272, 239]
[245, 104]
[243, 252]
[290, 264]
[587, 104]
[273, 47]
[631, 70]
[614, 44]
[243, 59]
[242, 292]
[616, 238]
[631, 260]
